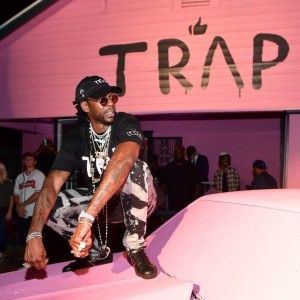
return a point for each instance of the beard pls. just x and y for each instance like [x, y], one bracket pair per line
[106, 118]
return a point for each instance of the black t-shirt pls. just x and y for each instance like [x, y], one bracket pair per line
[44, 162]
[75, 150]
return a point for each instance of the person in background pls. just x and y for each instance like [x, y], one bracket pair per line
[6, 206]
[155, 168]
[179, 181]
[226, 178]
[45, 155]
[105, 146]
[27, 188]
[261, 178]
[201, 163]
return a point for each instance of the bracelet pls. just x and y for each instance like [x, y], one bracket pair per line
[85, 221]
[84, 215]
[33, 235]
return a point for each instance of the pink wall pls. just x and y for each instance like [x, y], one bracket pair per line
[42, 62]
[245, 139]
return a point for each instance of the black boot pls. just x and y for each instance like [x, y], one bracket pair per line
[87, 262]
[141, 263]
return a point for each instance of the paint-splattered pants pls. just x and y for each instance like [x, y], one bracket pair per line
[138, 200]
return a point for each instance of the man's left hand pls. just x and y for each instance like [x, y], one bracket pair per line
[81, 240]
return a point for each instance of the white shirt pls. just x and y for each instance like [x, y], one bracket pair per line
[194, 160]
[26, 186]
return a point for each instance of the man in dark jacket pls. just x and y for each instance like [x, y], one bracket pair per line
[201, 163]
[262, 179]
[179, 181]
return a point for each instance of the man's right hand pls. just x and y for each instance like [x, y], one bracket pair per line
[35, 254]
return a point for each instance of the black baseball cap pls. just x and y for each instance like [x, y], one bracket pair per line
[93, 87]
[260, 164]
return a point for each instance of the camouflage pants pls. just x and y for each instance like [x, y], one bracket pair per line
[137, 198]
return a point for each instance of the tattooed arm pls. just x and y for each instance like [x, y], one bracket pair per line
[114, 177]
[35, 253]
[47, 198]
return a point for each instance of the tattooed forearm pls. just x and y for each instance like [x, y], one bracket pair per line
[47, 198]
[48, 194]
[115, 175]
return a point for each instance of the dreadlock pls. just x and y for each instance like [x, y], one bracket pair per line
[81, 115]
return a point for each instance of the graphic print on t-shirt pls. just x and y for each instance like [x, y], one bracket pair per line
[28, 183]
[101, 164]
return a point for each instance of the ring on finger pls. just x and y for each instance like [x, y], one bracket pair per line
[26, 265]
[75, 253]
[81, 246]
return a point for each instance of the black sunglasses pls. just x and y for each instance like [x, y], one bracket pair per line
[104, 100]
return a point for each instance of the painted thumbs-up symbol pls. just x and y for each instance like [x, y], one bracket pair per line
[197, 29]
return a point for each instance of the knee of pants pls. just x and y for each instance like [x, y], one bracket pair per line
[137, 180]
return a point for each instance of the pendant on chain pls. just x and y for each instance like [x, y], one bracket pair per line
[104, 252]
[100, 154]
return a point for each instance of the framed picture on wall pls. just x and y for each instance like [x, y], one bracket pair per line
[164, 148]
